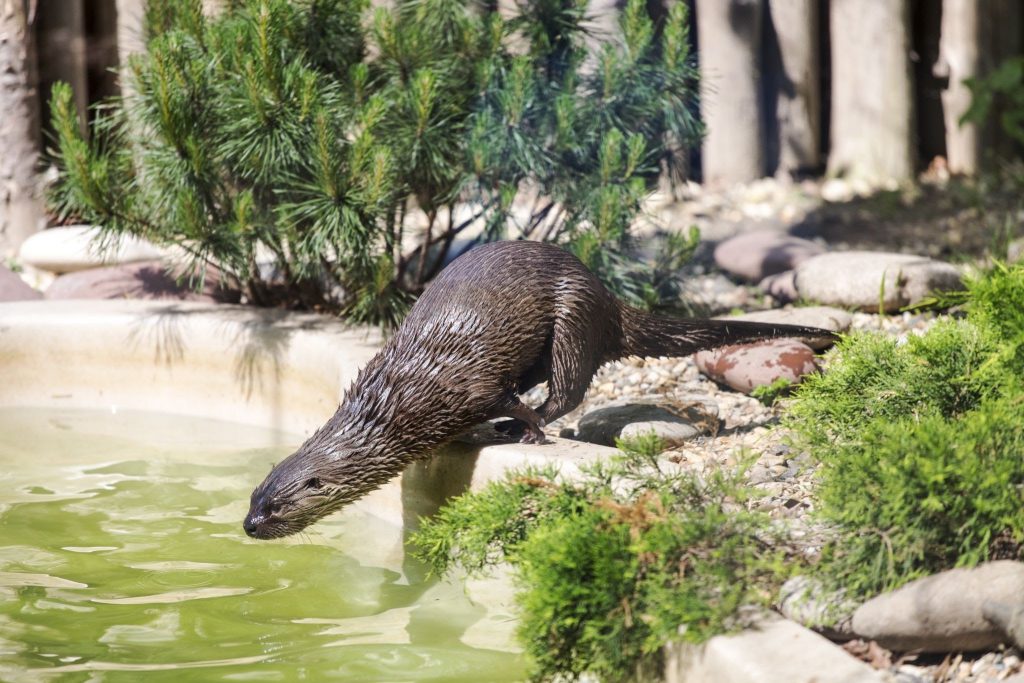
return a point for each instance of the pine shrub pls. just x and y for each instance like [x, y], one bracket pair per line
[285, 141]
[608, 568]
[919, 443]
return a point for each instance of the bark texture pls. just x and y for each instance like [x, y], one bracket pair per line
[729, 39]
[60, 34]
[21, 208]
[872, 131]
[797, 85]
[959, 60]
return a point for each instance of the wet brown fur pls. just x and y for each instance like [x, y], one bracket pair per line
[499, 320]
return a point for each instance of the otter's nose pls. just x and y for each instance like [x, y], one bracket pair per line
[251, 524]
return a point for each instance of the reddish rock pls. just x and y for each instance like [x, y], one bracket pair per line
[144, 280]
[13, 288]
[744, 367]
[755, 255]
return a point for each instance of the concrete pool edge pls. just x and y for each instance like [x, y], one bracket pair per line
[287, 371]
[266, 367]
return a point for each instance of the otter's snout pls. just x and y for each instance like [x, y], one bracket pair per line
[263, 522]
[252, 525]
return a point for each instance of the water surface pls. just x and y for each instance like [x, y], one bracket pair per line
[122, 558]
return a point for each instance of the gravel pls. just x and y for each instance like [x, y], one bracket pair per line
[750, 430]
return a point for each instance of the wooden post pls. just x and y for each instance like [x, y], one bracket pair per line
[872, 99]
[959, 60]
[21, 208]
[797, 86]
[729, 42]
[61, 33]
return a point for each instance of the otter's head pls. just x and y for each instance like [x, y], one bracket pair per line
[303, 488]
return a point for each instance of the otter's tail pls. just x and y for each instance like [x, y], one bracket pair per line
[648, 335]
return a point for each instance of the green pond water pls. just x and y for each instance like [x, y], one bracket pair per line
[122, 558]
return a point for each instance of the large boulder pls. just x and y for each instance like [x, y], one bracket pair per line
[944, 612]
[13, 288]
[76, 247]
[866, 280]
[755, 255]
[145, 280]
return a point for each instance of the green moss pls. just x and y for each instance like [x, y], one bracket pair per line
[608, 568]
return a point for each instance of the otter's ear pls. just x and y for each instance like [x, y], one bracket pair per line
[312, 483]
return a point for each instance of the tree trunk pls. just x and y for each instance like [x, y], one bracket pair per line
[21, 207]
[796, 85]
[958, 60]
[1000, 37]
[872, 99]
[60, 32]
[131, 38]
[729, 40]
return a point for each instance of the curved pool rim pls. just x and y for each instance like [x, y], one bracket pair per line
[267, 367]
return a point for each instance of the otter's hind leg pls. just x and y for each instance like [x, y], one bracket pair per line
[522, 414]
[572, 364]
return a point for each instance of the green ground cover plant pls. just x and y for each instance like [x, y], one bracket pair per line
[286, 141]
[920, 443]
[609, 567]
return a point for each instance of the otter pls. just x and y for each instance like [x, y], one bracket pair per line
[499, 320]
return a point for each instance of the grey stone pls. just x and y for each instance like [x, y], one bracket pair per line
[760, 253]
[865, 280]
[781, 286]
[672, 424]
[745, 367]
[1008, 617]
[804, 600]
[13, 288]
[826, 317]
[75, 247]
[1015, 250]
[144, 280]
[943, 612]
[775, 650]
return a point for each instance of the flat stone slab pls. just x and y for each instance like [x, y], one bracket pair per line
[75, 247]
[944, 612]
[755, 255]
[776, 650]
[867, 280]
[826, 317]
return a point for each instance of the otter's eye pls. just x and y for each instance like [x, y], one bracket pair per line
[313, 483]
[275, 506]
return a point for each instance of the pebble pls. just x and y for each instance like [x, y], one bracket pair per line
[674, 425]
[781, 286]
